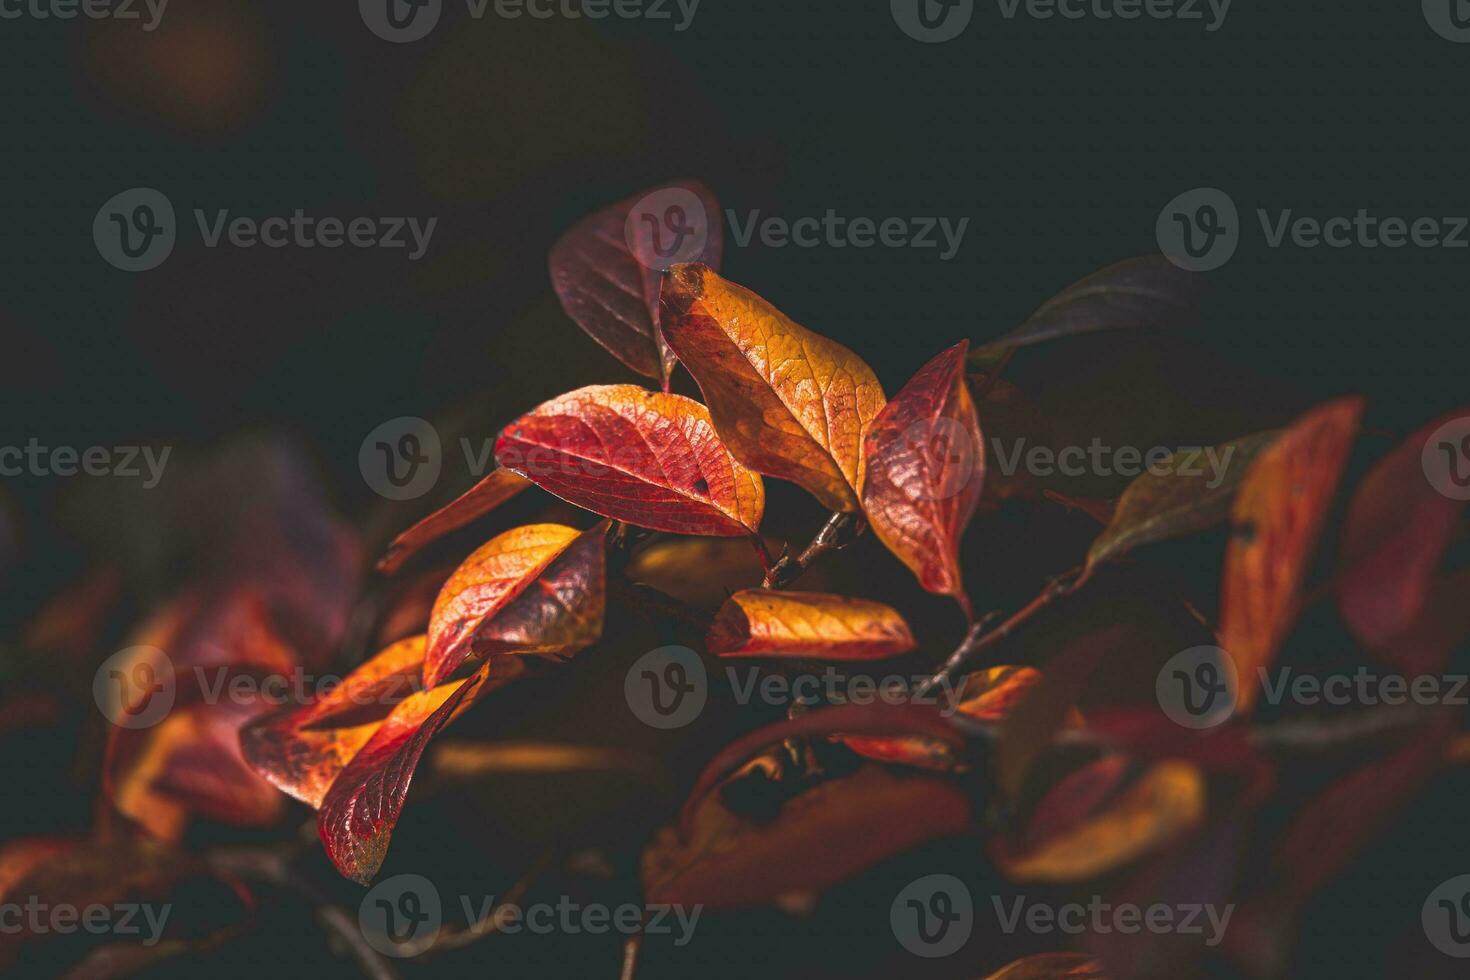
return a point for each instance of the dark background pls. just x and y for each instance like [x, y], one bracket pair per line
[1059, 140]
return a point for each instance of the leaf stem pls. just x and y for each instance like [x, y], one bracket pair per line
[841, 530]
[977, 640]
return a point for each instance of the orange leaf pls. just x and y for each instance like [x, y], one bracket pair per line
[501, 485]
[788, 402]
[482, 586]
[560, 612]
[925, 472]
[634, 455]
[607, 268]
[302, 748]
[814, 625]
[1163, 803]
[1276, 520]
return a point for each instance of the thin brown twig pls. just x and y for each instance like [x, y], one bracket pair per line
[841, 530]
[492, 922]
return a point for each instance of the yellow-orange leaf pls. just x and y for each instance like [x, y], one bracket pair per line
[482, 586]
[815, 625]
[1275, 521]
[788, 402]
[1163, 803]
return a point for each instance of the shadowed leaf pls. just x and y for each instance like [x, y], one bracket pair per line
[788, 402]
[811, 625]
[1276, 520]
[1145, 291]
[613, 295]
[853, 822]
[1179, 499]
[1163, 803]
[1397, 529]
[560, 612]
[646, 458]
[501, 485]
[925, 472]
[1052, 966]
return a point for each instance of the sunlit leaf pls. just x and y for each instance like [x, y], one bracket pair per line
[498, 487]
[630, 454]
[302, 748]
[482, 586]
[812, 625]
[788, 402]
[1188, 494]
[853, 822]
[611, 290]
[560, 612]
[1276, 519]
[1397, 529]
[1052, 966]
[1146, 291]
[1164, 802]
[925, 472]
[362, 807]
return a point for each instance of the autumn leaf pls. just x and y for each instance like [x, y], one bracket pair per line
[698, 571]
[1183, 497]
[362, 807]
[607, 269]
[1052, 966]
[788, 402]
[487, 582]
[1163, 803]
[302, 748]
[560, 612]
[876, 719]
[854, 822]
[811, 625]
[1276, 519]
[925, 472]
[1146, 291]
[495, 489]
[1397, 529]
[988, 696]
[633, 455]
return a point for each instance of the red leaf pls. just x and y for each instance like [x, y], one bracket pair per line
[1276, 520]
[501, 485]
[925, 471]
[611, 290]
[650, 459]
[359, 812]
[1398, 527]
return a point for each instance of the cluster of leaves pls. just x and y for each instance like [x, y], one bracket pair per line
[1065, 790]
